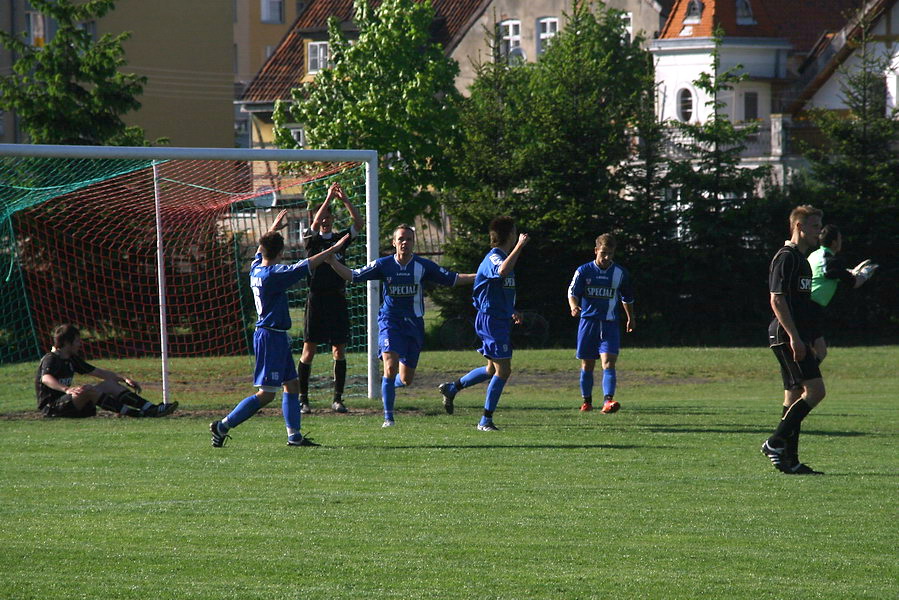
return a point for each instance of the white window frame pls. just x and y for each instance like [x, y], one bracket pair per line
[509, 37]
[694, 12]
[271, 11]
[628, 19]
[317, 56]
[547, 29]
[35, 29]
[744, 13]
[679, 108]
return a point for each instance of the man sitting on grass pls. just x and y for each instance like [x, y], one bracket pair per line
[57, 397]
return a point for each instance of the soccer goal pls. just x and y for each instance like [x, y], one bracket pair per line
[148, 250]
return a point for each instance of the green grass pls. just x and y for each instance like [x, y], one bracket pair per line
[669, 498]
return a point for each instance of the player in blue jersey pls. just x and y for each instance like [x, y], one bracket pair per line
[494, 297]
[593, 296]
[275, 368]
[401, 327]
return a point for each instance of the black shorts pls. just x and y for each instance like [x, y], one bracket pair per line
[794, 373]
[64, 408]
[327, 319]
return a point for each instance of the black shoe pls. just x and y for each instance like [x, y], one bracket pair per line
[488, 426]
[777, 456]
[338, 406]
[164, 410]
[448, 391]
[801, 469]
[299, 439]
[218, 438]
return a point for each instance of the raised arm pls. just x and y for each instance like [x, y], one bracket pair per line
[339, 268]
[279, 223]
[509, 264]
[358, 223]
[321, 257]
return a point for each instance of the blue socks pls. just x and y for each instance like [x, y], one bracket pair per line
[290, 407]
[494, 391]
[398, 383]
[609, 379]
[388, 397]
[587, 383]
[247, 408]
[473, 377]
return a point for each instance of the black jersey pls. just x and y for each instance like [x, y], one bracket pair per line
[63, 369]
[790, 275]
[324, 280]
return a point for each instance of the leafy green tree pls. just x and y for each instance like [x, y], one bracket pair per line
[70, 91]
[854, 178]
[392, 91]
[715, 196]
[545, 142]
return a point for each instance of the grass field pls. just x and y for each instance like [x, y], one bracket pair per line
[669, 498]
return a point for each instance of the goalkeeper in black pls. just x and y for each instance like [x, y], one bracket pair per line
[792, 335]
[327, 319]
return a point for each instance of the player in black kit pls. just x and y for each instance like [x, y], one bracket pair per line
[327, 319]
[792, 334]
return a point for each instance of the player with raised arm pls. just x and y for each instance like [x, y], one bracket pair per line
[327, 318]
[401, 326]
[593, 296]
[494, 298]
[275, 368]
[58, 397]
[792, 334]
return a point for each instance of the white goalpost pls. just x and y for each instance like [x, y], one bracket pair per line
[154, 157]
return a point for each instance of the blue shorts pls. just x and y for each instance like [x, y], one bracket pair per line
[495, 334]
[274, 362]
[597, 336]
[403, 335]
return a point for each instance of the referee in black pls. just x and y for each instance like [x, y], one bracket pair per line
[327, 319]
[792, 334]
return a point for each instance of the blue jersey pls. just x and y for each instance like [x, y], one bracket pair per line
[598, 290]
[494, 294]
[402, 292]
[269, 285]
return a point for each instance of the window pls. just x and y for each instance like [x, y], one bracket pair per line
[627, 20]
[268, 51]
[684, 105]
[34, 29]
[295, 228]
[510, 39]
[744, 13]
[272, 11]
[694, 12]
[750, 106]
[547, 28]
[318, 56]
[90, 27]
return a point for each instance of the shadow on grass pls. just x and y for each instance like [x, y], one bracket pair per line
[730, 429]
[523, 447]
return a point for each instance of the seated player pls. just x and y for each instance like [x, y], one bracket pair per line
[58, 397]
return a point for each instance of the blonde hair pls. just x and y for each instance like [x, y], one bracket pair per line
[606, 239]
[803, 212]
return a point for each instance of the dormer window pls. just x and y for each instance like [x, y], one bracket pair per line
[694, 12]
[744, 13]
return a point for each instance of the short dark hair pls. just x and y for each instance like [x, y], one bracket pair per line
[606, 239]
[828, 235]
[404, 226]
[64, 334]
[500, 229]
[272, 244]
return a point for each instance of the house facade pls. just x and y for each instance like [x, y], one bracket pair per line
[524, 29]
[793, 53]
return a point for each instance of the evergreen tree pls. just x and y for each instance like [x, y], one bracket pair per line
[70, 91]
[393, 91]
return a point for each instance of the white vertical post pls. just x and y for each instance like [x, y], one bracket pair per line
[372, 250]
[160, 274]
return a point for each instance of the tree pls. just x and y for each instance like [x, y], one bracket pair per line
[70, 91]
[715, 195]
[393, 91]
[546, 142]
[855, 180]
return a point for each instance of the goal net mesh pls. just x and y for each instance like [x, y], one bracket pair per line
[78, 244]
